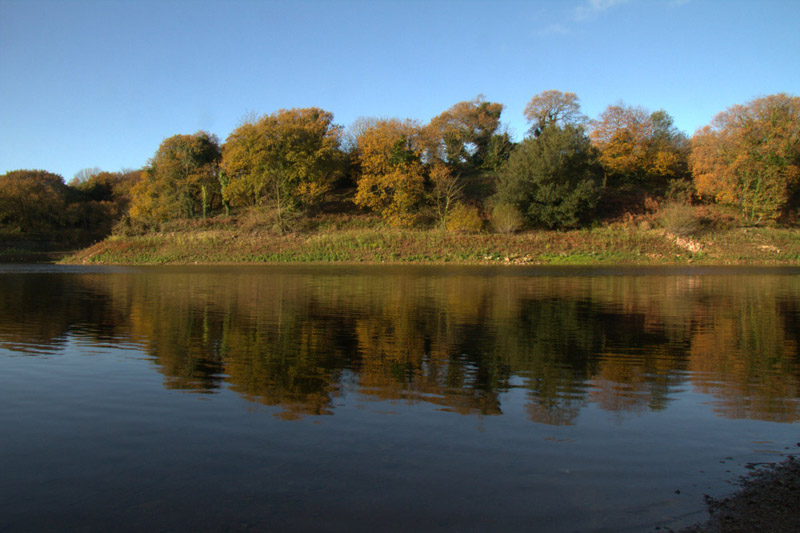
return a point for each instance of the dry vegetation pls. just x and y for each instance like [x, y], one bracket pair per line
[253, 237]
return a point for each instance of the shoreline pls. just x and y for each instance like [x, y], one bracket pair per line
[768, 500]
[599, 246]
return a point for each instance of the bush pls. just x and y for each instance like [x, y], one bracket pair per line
[679, 219]
[129, 227]
[505, 218]
[464, 219]
[680, 191]
[265, 218]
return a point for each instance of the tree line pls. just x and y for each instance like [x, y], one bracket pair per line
[461, 171]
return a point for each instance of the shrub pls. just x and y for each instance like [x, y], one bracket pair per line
[505, 218]
[680, 191]
[265, 218]
[679, 219]
[464, 219]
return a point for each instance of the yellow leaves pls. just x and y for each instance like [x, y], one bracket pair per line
[637, 145]
[664, 163]
[465, 219]
[750, 156]
[290, 157]
[394, 194]
[392, 180]
[183, 167]
[310, 193]
[462, 134]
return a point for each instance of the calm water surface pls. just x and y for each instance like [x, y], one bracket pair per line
[389, 398]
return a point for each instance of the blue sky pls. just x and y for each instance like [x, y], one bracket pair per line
[100, 83]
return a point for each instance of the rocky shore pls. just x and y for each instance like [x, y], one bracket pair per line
[768, 500]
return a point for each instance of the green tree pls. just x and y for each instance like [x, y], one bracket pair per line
[552, 179]
[500, 148]
[180, 181]
[287, 160]
[749, 157]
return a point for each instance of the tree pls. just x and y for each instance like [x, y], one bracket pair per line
[354, 132]
[639, 147]
[392, 178]
[553, 108]
[180, 180]
[749, 157]
[446, 191]
[552, 179]
[500, 148]
[106, 197]
[105, 186]
[462, 135]
[288, 160]
[83, 175]
[33, 200]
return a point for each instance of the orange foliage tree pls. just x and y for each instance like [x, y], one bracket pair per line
[392, 177]
[462, 135]
[180, 181]
[749, 157]
[288, 159]
[639, 147]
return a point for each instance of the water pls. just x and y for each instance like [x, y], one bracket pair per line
[342, 398]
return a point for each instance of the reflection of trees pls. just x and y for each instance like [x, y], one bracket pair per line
[747, 354]
[38, 311]
[298, 338]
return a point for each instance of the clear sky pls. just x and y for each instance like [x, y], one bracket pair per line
[100, 83]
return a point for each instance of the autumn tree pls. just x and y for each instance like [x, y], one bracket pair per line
[106, 197]
[749, 157]
[639, 147]
[392, 177]
[462, 135]
[180, 180]
[461, 147]
[287, 160]
[552, 179]
[446, 191]
[553, 108]
[33, 201]
[105, 186]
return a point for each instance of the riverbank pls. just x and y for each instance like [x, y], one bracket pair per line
[211, 241]
[30, 249]
[769, 500]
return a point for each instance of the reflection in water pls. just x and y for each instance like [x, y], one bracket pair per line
[299, 337]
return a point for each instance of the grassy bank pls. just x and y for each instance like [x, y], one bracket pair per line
[36, 248]
[354, 239]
